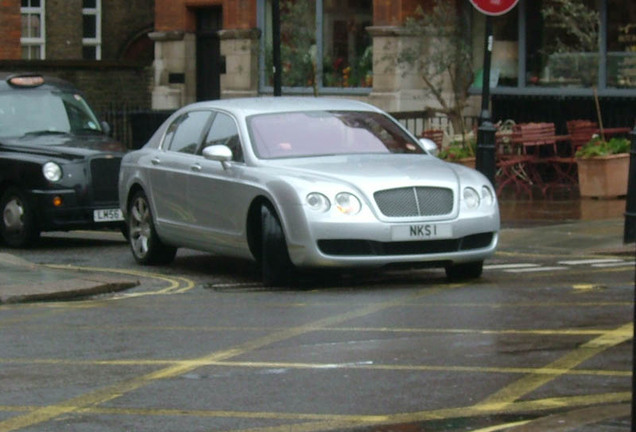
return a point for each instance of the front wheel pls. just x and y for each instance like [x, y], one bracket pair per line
[18, 227]
[276, 266]
[146, 246]
[465, 271]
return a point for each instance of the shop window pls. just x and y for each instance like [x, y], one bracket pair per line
[324, 44]
[562, 42]
[91, 29]
[33, 34]
[621, 44]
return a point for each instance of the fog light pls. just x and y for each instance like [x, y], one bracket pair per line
[57, 201]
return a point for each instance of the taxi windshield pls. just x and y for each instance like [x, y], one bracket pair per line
[35, 111]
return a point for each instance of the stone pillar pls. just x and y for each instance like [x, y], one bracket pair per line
[174, 83]
[396, 87]
[240, 49]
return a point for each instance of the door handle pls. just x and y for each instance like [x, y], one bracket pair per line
[195, 168]
[155, 161]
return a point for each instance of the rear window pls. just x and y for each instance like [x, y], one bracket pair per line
[320, 133]
[40, 111]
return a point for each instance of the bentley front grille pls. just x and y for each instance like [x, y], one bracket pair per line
[415, 201]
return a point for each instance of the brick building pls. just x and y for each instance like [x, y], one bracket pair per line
[222, 48]
[167, 53]
[208, 49]
[101, 46]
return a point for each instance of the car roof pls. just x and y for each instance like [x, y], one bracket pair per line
[50, 82]
[261, 105]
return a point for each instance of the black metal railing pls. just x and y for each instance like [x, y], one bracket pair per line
[134, 126]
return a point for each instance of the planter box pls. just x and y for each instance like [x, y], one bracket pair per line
[603, 176]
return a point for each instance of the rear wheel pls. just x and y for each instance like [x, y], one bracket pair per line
[144, 242]
[465, 271]
[276, 266]
[18, 227]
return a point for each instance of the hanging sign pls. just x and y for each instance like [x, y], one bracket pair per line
[494, 7]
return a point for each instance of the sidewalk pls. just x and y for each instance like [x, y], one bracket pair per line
[22, 281]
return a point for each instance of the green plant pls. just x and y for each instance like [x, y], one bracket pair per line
[598, 147]
[457, 150]
[441, 54]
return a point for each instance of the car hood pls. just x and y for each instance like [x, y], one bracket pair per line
[69, 146]
[375, 172]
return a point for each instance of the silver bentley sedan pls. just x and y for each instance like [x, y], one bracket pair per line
[299, 183]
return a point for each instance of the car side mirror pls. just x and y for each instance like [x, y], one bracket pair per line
[220, 153]
[106, 128]
[430, 146]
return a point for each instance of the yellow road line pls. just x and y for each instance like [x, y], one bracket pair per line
[322, 366]
[175, 283]
[114, 391]
[525, 385]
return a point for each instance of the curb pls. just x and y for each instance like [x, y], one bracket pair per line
[70, 289]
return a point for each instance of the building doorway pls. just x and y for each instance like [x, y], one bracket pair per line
[209, 62]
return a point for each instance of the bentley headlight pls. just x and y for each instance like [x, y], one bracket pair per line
[347, 203]
[487, 196]
[471, 198]
[52, 171]
[318, 202]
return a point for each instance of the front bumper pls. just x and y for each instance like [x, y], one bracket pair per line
[72, 214]
[371, 244]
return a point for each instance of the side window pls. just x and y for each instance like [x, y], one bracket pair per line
[224, 131]
[186, 131]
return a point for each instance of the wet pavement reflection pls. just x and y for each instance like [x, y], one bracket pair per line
[526, 212]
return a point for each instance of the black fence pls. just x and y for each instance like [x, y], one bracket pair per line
[614, 111]
[134, 126]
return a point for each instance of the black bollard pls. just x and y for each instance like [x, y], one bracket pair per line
[485, 162]
[629, 233]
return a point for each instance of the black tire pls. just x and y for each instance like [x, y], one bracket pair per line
[276, 267]
[145, 245]
[18, 228]
[465, 271]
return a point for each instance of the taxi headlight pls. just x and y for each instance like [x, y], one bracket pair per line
[318, 202]
[471, 198]
[347, 203]
[52, 171]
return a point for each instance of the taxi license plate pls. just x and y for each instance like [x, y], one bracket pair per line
[107, 215]
[421, 232]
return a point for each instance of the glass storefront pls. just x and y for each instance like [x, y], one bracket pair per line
[562, 45]
[324, 44]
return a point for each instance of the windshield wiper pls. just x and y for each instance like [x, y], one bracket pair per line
[88, 130]
[46, 132]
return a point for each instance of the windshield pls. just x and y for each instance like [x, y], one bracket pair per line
[43, 111]
[319, 133]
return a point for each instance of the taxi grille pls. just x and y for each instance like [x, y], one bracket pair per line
[104, 178]
[415, 201]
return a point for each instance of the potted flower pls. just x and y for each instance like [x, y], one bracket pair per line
[460, 150]
[603, 167]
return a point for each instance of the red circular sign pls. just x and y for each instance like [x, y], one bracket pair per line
[494, 7]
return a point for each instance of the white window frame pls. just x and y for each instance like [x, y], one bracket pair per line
[38, 42]
[97, 40]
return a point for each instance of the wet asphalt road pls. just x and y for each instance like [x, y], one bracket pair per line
[201, 346]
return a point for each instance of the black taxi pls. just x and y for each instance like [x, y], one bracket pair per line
[58, 166]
